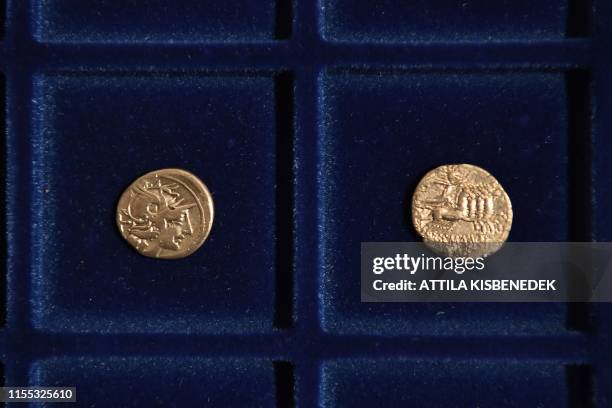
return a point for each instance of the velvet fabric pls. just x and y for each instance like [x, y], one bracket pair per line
[311, 122]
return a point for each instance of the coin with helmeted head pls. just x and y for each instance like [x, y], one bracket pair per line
[166, 214]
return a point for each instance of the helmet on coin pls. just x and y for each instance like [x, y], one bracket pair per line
[156, 216]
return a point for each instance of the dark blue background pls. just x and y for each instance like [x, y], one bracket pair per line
[311, 122]
[222, 128]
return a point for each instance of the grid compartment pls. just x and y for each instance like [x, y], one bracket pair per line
[427, 384]
[383, 131]
[94, 134]
[159, 21]
[160, 381]
[389, 21]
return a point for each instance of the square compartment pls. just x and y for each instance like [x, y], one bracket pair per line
[159, 381]
[474, 383]
[160, 21]
[93, 135]
[382, 132]
[400, 21]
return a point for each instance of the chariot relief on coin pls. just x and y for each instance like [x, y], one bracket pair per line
[165, 214]
[461, 210]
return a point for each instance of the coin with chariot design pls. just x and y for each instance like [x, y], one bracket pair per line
[166, 214]
[461, 210]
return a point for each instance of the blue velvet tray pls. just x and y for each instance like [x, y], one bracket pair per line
[311, 122]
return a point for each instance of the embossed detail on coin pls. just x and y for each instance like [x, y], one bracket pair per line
[461, 210]
[166, 214]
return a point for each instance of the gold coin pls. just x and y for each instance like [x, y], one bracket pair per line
[461, 210]
[166, 214]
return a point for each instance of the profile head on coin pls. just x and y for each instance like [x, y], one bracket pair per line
[166, 214]
[461, 210]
